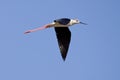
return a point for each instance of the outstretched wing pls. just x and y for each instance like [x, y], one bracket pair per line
[63, 36]
[62, 21]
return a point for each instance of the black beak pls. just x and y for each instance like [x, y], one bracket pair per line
[83, 23]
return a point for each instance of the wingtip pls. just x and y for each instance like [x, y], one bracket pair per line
[64, 58]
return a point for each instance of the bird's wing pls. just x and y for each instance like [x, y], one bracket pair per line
[62, 21]
[63, 36]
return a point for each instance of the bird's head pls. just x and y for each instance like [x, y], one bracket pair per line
[76, 21]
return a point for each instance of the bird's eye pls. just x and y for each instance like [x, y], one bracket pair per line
[54, 20]
[77, 20]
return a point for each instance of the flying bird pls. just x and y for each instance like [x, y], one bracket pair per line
[63, 33]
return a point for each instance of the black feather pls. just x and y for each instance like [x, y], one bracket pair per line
[63, 36]
[63, 21]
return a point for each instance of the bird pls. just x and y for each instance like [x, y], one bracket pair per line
[63, 34]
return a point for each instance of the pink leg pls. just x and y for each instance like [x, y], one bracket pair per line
[36, 29]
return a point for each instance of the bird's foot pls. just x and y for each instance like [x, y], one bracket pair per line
[29, 31]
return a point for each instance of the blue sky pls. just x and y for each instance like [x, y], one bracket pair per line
[93, 53]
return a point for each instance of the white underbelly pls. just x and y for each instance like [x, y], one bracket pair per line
[59, 25]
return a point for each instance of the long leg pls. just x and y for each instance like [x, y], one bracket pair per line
[39, 28]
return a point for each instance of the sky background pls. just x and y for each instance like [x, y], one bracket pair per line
[94, 52]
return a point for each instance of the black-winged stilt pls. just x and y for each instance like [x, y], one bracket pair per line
[62, 32]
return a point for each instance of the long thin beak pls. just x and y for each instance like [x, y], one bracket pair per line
[83, 23]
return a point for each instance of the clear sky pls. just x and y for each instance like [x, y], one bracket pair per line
[94, 52]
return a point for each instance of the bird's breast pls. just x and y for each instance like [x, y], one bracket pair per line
[61, 25]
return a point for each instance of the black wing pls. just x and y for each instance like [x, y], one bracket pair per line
[63, 36]
[63, 21]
